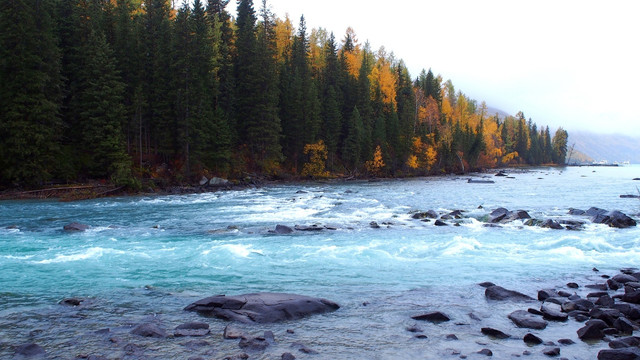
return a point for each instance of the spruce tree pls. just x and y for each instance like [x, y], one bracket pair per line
[352, 151]
[30, 93]
[101, 111]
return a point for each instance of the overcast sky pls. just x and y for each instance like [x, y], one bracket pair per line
[574, 64]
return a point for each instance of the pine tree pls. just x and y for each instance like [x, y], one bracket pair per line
[159, 119]
[30, 92]
[352, 151]
[101, 111]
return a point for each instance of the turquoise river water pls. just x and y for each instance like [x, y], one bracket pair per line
[145, 258]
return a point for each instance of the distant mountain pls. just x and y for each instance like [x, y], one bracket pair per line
[609, 147]
[491, 111]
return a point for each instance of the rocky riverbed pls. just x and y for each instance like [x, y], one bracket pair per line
[597, 314]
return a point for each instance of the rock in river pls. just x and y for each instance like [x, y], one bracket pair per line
[262, 307]
[434, 317]
[500, 293]
[524, 319]
[74, 226]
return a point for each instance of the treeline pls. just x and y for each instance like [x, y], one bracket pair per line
[125, 90]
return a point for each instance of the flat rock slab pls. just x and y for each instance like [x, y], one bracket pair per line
[524, 319]
[500, 293]
[262, 307]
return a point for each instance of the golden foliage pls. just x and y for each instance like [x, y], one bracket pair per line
[353, 63]
[376, 165]
[412, 162]
[284, 36]
[423, 156]
[384, 78]
[510, 157]
[318, 155]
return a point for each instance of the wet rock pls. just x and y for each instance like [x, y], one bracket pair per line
[494, 333]
[192, 329]
[556, 300]
[149, 330]
[597, 294]
[74, 226]
[605, 301]
[564, 294]
[630, 311]
[452, 337]
[604, 314]
[303, 348]
[434, 317]
[553, 312]
[72, 301]
[551, 224]
[253, 344]
[624, 326]
[534, 311]
[440, 223]
[524, 319]
[231, 333]
[517, 215]
[498, 215]
[595, 211]
[551, 351]
[487, 284]
[133, 349]
[619, 354]
[500, 293]
[579, 304]
[374, 225]
[631, 341]
[313, 227]
[624, 278]
[592, 330]
[632, 296]
[262, 307]
[283, 229]
[532, 339]
[287, 356]
[485, 352]
[614, 219]
[425, 215]
[29, 350]
[545, 294]
[611, 331]
[572, 285]
[566, 342]
[576, 212]
[415, 329]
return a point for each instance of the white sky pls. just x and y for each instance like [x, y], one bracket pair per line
[574, 64]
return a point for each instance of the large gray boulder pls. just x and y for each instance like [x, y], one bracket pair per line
[525, 319]
[500, 293]
[262, 307]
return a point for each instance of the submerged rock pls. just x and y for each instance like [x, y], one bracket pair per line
[532, 339]
[192, 329]
[434, 317]
[593, 330]
[262, 307]
[29, 350]
[283, 229]
[74, 226]
[430, 214]
[149, 330]
[500, 293]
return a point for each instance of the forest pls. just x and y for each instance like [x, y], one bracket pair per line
[132, 91]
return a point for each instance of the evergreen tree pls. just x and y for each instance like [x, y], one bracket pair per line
[547, 147]
[352, 151]
[101, 111]
[30, 92]
[160, 125]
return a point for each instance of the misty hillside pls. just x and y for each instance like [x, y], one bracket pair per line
[609, 147]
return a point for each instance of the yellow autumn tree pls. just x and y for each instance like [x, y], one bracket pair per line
[318, 154]
[383, 78]
[283, 37]
[376, 165]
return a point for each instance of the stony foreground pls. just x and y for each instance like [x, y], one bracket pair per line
[607, 311]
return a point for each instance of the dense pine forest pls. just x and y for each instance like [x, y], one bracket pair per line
[128, 91]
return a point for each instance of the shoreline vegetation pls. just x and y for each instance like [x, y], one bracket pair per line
[102, 189]
[133, 94]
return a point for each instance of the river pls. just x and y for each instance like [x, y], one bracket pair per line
[146, 258]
